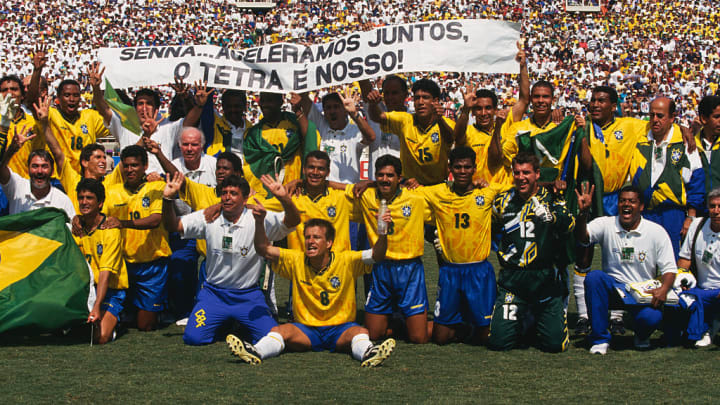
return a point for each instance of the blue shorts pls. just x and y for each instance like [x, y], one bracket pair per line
[215, 306]
[400, 283]
[466, 293]
[148, 284]
[324, 337]
[113, 301]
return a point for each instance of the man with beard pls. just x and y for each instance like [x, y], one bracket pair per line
[23, 194]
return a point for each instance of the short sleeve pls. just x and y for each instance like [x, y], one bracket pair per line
[274, 226]
[287, 262]
[665, 256]
[112, 256]
[396, 121]
[685, 249]
[194, 225]
[597, 227]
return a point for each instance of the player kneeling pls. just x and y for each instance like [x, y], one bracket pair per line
[323, 284]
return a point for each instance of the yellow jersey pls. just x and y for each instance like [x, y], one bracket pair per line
[332, 206]
[423, 152]
[198, 196]
[102, 249]
[19, 161]
[324, 298]
[69, 179]
[409, 212]
[479, 141]
[73, 136]
[619, 138]
[463, 222]
[141, 245]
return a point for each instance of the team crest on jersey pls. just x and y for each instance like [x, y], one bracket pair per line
[618, 135]
[84, 129]
[480, 200]
[335, 282]
[435, 137]
[675, 155]
[343, 148]
[509, 297]
[406, 210]
[331, 211]
[329, 149]
[99, 249]
[146, 202]
[642, 256]
[244, 251]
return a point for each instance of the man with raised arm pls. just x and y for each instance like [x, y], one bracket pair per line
[324, 301]
[230, 290]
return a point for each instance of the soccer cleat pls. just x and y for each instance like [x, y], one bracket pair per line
[182, 322]
[245, 351]
[642, 344]
[705, 341]
[600, 348]
[582, 327]
[617, 327]
[375, 355]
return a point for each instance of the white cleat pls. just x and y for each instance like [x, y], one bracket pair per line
[600, 348]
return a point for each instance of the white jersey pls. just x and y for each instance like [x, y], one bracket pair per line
[631, 256]
[232, 262]
[204, 174]
[344, 146]
[166, 136]
[707, 254]
[21, 199]
[385, 143]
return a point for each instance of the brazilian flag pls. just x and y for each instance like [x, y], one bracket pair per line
[44, 278]
[128, 115]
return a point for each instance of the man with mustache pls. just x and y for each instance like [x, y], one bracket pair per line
[23, 194]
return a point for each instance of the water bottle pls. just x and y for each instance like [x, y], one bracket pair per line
[382, 225]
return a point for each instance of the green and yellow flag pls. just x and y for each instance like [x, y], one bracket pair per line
[44, 278]
[128, 115]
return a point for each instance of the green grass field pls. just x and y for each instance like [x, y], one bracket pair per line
[157, 367]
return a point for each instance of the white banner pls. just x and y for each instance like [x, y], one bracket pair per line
[486, 46]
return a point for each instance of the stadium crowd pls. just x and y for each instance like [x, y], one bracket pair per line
[637, 83]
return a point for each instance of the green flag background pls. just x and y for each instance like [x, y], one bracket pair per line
[44, 278]
[128, 115]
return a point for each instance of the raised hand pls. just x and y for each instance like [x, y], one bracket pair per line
[202, 93]
[172, 185]
[19, 138]
[275, 187]
[150, 145]
[520, 57]
[350, 101]
[469, 97]
[374, 97]
[95, 75]
[179, 86]
[258, 210]
[585, 196]
[40, 57]
[8, 108]
[42, 109]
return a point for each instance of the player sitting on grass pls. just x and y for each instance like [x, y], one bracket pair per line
[323, 284]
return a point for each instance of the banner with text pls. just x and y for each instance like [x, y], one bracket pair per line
[487, 46]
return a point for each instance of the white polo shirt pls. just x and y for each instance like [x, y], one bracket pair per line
[204, 174]
[385, 143]
[636, 255]
[344, 147]
[707, 254]
[166, 136]
[21, 199]
[235, 265]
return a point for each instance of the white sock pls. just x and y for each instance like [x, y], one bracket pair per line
[270, 345]
[359, 345]
[616, 314]
[579, 290]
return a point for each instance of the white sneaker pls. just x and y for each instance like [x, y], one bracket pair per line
[600, 348]
[642, 344]
[181, 322]
[705, 341]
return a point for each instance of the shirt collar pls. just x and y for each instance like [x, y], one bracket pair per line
[620, 229]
